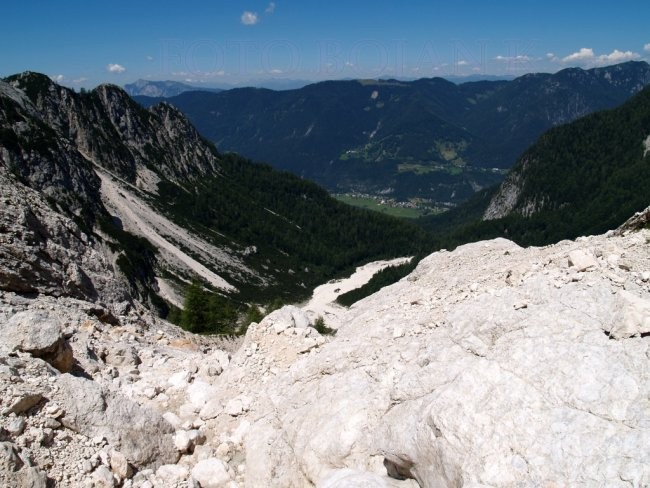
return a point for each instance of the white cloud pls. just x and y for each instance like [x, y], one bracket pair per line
[646, 48]
[58, 78]
[271, 8]
[199, 76]
[586, 56]
[462, 62]
[617, 56]
[115, 68]
[249, 18]
[276, 71]
[149, 58]
[79, 80]
[516, 59]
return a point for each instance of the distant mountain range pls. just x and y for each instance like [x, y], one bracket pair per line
[428, 139]
[162, 89]
[583, 178]
[167, 89]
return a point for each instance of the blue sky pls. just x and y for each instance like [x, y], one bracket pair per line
[86, 43]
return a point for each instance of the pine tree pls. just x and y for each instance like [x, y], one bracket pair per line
[193, 317]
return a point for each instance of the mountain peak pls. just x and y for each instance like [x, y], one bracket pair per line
[162, 89]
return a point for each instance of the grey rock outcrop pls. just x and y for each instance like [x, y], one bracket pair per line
[57, 235]
[139, 433]
[112, 130]
[40, 335]
[16, 468]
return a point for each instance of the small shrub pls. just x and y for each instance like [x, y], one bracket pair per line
[322, 328]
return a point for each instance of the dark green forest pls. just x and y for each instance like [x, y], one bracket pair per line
[297, 228]
[380, 279]
[591, 175]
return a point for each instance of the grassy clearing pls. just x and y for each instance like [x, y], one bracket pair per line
[377, 206]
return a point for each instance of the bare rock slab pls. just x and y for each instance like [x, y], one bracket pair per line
[141, 434]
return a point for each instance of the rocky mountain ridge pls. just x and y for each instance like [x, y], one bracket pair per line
[492, 365]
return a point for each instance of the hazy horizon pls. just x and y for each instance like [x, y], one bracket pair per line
[82, 45]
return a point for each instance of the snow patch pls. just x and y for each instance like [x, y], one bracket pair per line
[324, 296]
[646, 143]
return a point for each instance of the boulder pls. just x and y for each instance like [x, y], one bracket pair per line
[632, 317]
[140, 434]
[488, 393]
[182, 441]
[582, 260]
[119, 465]
[211, 473]
[39, 334]
[102, 478]
[169, 474]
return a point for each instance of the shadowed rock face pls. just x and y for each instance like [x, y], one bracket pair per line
[50, 137]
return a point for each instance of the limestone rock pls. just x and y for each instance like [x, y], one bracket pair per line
[140, 434]
[182, 441]
[350, 478]
[103, 478]
[9, 459]
[211, 473]
[632, 316]
[120, 465]
[486, 394]
[24, 401]
[287, 317]
[582, 260]
[234, 407]
[16, 469]
[39, 334]
[211, 409]
[168, 474]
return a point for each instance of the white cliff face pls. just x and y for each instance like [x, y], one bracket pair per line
[489, 366]
[506, 198]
